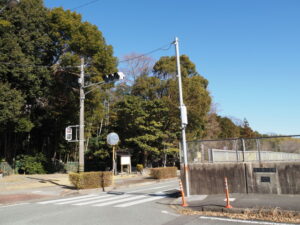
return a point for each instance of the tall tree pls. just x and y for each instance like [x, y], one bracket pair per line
[166, 68]
[228, 128]
[25, 56]
[74, 39]
[246, 131]
[40, 51]
[149, 88]
[195, 94]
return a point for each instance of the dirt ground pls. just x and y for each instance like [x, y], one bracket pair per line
[19, 182]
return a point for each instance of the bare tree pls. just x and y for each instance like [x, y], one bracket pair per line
[212, 126]
[137, 65]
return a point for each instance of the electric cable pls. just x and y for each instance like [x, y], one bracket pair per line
[84, 5]
[163, 48]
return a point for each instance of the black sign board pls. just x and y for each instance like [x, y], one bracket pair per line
[265, 179]
[264, 170]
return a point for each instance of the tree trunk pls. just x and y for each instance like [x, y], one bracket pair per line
[145, 159]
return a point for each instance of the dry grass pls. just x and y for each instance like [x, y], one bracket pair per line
[273, 215]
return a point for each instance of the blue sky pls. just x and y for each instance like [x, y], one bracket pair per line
[249, 50]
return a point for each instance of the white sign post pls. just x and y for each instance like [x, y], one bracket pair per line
[125, 161]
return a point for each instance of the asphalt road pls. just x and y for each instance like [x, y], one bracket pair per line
[143, 205]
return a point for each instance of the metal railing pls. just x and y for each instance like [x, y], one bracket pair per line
[275, 148]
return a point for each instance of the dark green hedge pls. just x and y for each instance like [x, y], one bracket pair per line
[91, 179]
[163, 172]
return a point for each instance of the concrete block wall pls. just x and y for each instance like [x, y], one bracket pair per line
[268, 178]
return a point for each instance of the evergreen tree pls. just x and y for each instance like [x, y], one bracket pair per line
[228, 128]
[40, 52]
[195, 94]
[246, 131]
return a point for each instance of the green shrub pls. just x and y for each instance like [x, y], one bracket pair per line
[31, 164]
[91, 179]
[163, 172]
[139, 167]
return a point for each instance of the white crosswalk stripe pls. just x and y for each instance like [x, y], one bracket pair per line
[109, 199]
[93, 198]
[65, 199]
[106, 198]
[121, 200]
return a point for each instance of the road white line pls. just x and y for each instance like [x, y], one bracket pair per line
[172, 214]
[243, 221]
[66, 199]
[230, 199]
[14, 205]
[140, 201]
[121, 200]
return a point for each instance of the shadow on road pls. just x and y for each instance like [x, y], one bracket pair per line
[52, 181]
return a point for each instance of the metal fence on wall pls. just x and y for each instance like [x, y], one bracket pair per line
[278, 148]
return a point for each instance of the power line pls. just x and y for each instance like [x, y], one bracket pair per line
[163, 48]
[85, 4]
[35, 65]
[24, 65]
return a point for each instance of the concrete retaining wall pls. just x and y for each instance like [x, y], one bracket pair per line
[269, 178]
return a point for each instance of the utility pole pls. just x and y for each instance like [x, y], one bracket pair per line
[109, 78]
[81, 117]
[184, 121]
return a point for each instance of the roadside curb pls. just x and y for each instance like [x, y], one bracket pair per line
[221, 209]
[273, 215]
[244, 210]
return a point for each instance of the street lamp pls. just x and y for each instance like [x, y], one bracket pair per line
[10, 4]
